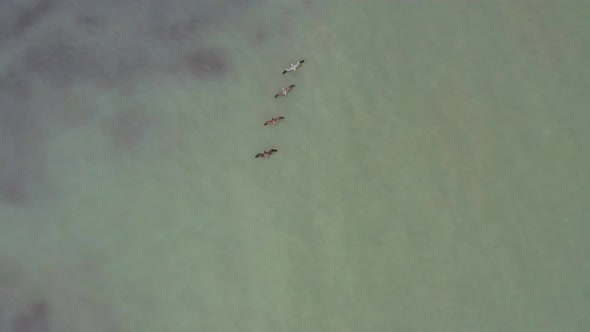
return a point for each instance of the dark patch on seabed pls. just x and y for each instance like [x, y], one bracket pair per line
[18, 17]
[20, 141]
[127, 128]
[34, 318]
[208, 63]
[50, 47]
[26, 306]
[19, 312]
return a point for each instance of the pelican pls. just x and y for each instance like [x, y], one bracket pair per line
[266, 154]
[274, 121]
[285, 91]
[293, 67]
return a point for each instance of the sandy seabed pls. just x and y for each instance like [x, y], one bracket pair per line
[431, 171]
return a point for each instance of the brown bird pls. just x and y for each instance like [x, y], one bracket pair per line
[266, 154]
[274, 121]
[284, 91]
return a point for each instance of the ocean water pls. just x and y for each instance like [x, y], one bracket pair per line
[432, 171]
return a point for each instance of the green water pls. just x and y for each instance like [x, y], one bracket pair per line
[432, 175]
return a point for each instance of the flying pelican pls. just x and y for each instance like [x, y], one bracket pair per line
[274, 121]
[284, 91]
[266, 154]
[293, 67]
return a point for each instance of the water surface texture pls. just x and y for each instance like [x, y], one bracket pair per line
[432, 173]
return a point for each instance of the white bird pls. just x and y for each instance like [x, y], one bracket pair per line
[293, 67]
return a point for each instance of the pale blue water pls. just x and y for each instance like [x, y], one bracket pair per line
[432, 171]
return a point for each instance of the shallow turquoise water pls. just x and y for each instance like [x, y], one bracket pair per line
[431, 175]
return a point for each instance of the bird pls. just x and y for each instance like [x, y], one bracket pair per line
[266, 154]
[274, 121]
[284, 91]
[293, 67]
